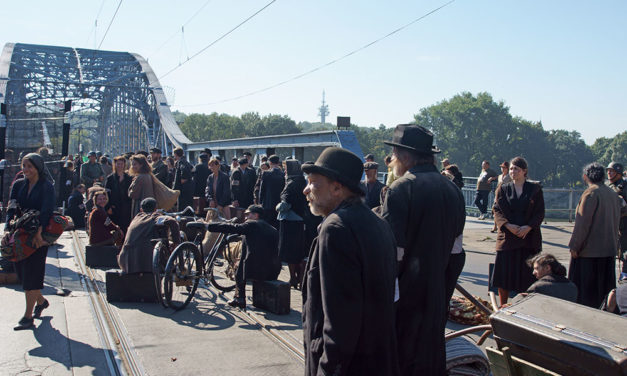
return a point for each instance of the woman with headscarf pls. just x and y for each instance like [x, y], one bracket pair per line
[291, 212]
[142, 185]
[34, 191]
[118, 184]
[518, 214]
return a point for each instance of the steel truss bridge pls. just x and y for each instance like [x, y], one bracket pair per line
[117, 103]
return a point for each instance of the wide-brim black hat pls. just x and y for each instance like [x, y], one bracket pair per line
[413, 137]
[340, 165]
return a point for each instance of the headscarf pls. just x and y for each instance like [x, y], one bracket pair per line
[40, 165]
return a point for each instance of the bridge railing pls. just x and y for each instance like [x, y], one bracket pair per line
[559, 203]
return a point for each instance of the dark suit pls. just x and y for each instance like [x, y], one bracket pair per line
[348, 295]
[272, 184]
[201, 173]
[373, 193]
[183, 171]
[222, 195]
[259, 251]
[242, 185]
[119, 201]
[160, 170]
[426, 212]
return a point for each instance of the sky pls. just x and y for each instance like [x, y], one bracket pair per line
[560, 62]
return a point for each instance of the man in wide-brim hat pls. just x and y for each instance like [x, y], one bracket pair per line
[426, 212]
[351, 269]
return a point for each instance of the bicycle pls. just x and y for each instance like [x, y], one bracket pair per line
[189, 263]
[161, 250]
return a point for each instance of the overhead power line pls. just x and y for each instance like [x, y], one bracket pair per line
[324, 65]
[179, 30]
[219, 39]
[110, 23]
[93, 30]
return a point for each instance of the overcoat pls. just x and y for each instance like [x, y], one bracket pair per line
[183, 171]
[532, 216]
[426, 212]
[259, 248]
[272, 184]
[201, 174]
[373, 193]
[119, 201]
[242, 185]
[160, 171]
[348, 295]
[223, 194]
[141, 187]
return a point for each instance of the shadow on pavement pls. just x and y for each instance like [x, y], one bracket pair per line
[55, 346]
[474, 278]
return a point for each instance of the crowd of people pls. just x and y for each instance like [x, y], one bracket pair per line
[377, 263]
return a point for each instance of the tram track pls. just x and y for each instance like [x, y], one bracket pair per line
[119, 351]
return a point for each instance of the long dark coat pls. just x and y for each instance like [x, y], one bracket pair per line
[292, 233]
[201, 174]
[426, 212]
[259, 248]
[272, 184]
[183, 171]
[119, 201]
[348, 299]
[242, 185]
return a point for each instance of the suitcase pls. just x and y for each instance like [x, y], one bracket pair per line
[273, 296]
[563, 337]
[136, 287]
[105, 256]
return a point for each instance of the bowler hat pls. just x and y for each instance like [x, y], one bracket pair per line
[413, 137]
[340, 165]
[616, 167]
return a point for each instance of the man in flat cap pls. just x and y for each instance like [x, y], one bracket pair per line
[349, 286]
[91, 171]
[615, 181]
[159, 169]
[426, 212]
[260, 251]
[372, 186]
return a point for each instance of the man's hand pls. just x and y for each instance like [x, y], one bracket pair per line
[38, 241]
[573, 254]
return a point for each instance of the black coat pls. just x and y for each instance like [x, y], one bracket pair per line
[201, 174]
[426, 212]
[119, 201]
[242, 185]
[160, 170]
[259, 248]
[373, 193]
[223, 194]
[76, 209]
[272, 184]
[183, 171]
[348, 296]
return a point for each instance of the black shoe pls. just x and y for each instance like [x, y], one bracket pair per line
[24, 324]
[39, 308]
[237, 302]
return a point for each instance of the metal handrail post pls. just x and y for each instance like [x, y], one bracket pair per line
[570, 205]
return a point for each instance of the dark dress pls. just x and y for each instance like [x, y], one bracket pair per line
[511, 271]
[119, 201]
[292, 233]
[32, 269]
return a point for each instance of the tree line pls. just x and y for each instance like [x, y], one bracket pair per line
[467, 128]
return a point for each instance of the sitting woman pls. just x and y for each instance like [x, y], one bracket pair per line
[552, 279]
[101, 227]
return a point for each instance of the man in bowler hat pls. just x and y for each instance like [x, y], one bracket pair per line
[426, 212]
[349, 286]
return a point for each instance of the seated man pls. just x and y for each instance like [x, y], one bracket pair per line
[76, 206]
[551, 277]
[260, 253]
[136, 254]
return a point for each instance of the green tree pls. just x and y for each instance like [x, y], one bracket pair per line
[613, 149]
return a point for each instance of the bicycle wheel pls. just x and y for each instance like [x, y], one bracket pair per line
[182, 274]
[159, 261]
[224, 265]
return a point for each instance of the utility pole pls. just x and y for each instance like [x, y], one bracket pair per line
[323, 111]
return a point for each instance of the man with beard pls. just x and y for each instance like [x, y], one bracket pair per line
[426, 212]
[348, 294]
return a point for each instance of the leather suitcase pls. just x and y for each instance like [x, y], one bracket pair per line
[136, 287]
[273, 296]
[9, 278]
[564, 337]
[199, 206]
[101, 256]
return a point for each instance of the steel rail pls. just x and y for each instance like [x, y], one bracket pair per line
[122, 358]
